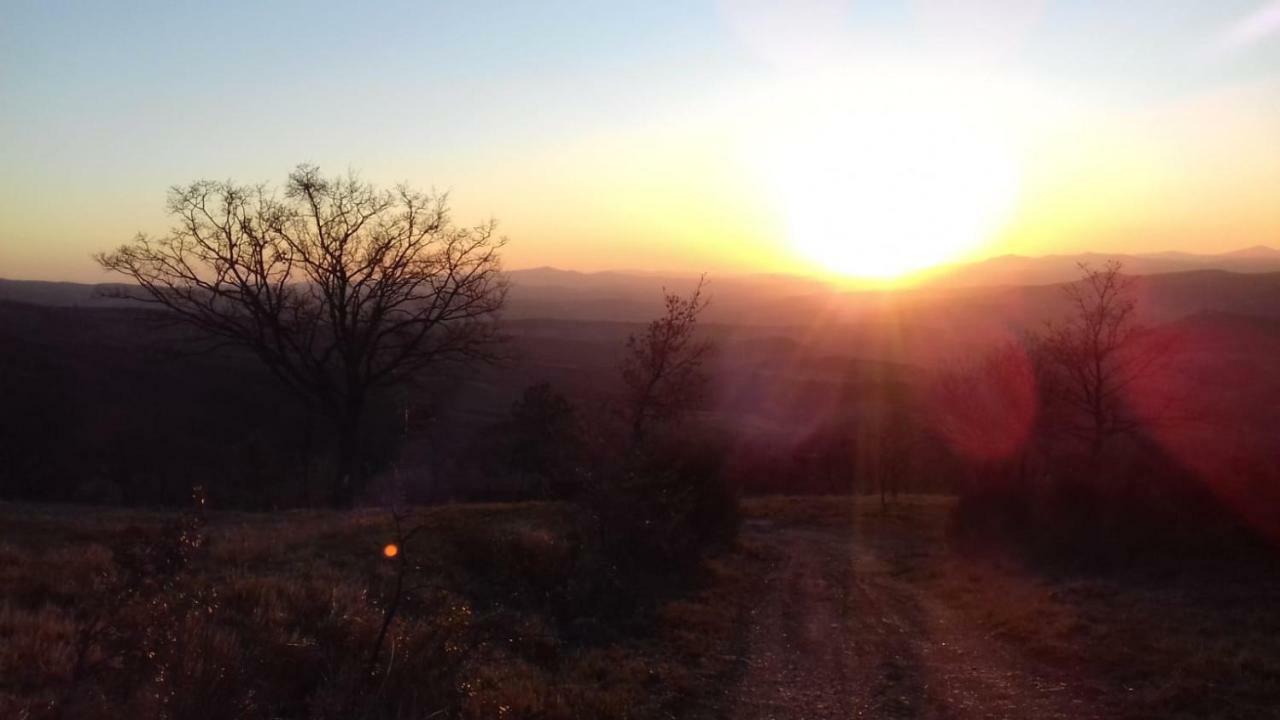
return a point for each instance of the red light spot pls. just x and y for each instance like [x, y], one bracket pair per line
[987, 411]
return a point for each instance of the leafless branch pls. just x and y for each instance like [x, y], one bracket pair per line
[338, 287]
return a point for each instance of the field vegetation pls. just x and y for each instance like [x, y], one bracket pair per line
[507, 610]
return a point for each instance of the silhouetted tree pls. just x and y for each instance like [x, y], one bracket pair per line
[1087, 362]
[338, 287]
[664, 498]
[541, 438]
[662, 368]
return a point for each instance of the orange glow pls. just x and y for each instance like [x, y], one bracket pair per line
[391, 550]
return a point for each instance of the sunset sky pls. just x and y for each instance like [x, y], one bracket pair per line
[862, 138]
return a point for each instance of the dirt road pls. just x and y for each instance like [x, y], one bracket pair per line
[845, 626]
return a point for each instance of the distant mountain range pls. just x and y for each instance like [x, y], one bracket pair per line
[60, 294]
[1014, 289]
[1049, 269]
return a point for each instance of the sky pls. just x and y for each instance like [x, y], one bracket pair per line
[829, 136]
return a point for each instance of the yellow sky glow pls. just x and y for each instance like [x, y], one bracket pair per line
[789, 137]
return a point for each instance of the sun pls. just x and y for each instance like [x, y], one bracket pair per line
[881, 182]
[887, 195]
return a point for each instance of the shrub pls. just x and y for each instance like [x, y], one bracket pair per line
[666, 505]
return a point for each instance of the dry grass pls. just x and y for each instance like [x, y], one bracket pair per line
[275, 617]
[926, 513]
[1173, 646]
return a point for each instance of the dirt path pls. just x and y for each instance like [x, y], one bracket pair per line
[845, 627]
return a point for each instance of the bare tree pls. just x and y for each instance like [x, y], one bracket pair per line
[1087, 362]
[338, 287]
[662, 369]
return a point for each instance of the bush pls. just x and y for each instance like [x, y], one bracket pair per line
[665, 507]
[1139, 510]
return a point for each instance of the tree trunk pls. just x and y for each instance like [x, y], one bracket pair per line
[308, 447]
[349, 475]
[637, 427]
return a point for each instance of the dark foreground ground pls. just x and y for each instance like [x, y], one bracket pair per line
[828, 608]
[870, 613]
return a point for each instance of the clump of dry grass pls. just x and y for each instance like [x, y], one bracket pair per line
[108, 614]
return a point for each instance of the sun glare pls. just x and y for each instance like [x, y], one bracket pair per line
[876, 181]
